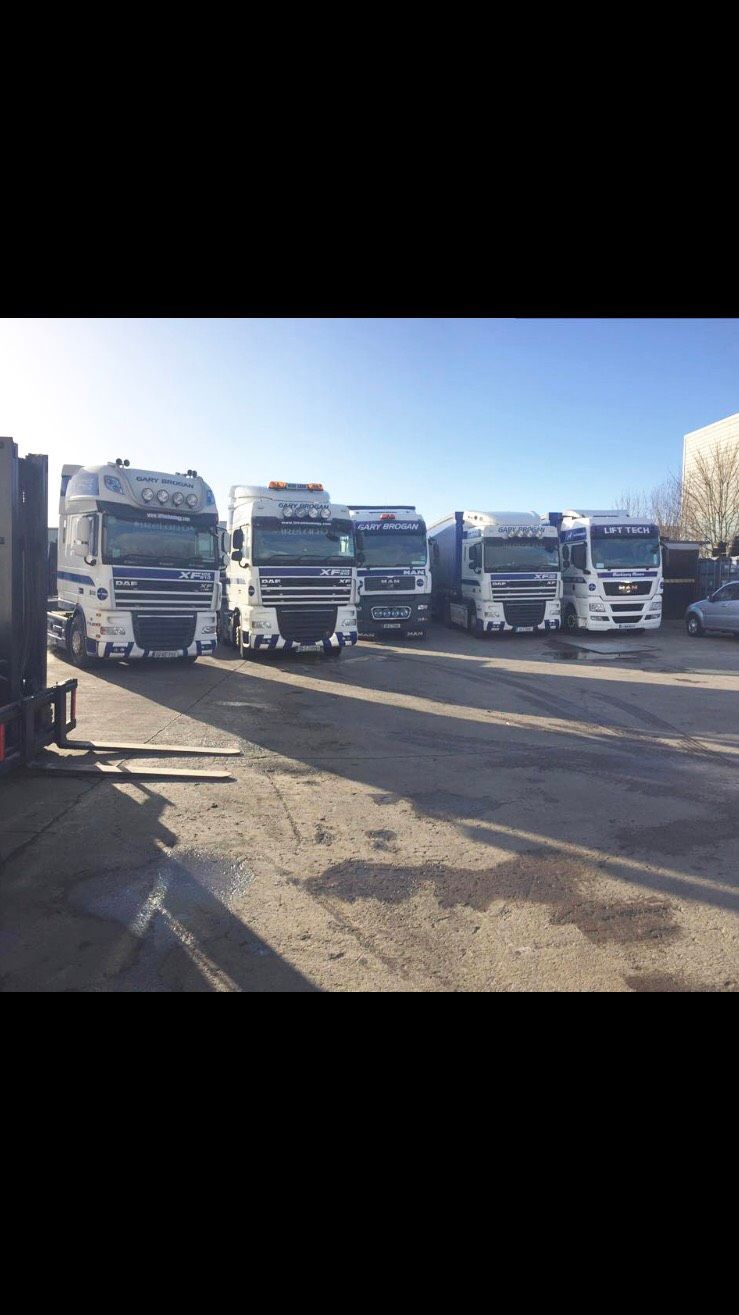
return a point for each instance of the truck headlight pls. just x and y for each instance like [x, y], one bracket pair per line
[210, 630]
[656, 605]
[112, 630]
[595, 605]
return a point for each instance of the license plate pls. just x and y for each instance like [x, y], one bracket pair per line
[389, 613]
[166, 652]
[391, 625]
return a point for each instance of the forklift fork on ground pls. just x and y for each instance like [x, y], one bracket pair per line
[30, 725]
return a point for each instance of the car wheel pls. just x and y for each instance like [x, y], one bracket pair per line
[77, 644]
[693, 626]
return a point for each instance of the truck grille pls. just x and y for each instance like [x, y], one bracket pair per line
[503, 591]
[389, 584]
[163, 595]
[637, 608]
[157, 632]
[615, 588]
[329, 590]
[306, 625]
[524, 614]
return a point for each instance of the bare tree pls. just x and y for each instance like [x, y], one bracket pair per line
[662, 504]
[710, 496]
[666, 508]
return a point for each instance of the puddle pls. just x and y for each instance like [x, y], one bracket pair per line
[579, 652]
[177, 901]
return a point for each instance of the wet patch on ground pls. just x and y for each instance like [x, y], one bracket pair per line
[562, 884]
[384, 840]
[680, 835]
[675, 982]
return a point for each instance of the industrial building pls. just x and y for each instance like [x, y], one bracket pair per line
[705, 441]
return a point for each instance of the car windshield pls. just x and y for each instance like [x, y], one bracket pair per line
[503, 554]
[392, 543]
[325, 544]
[157, 543]
[624, 551]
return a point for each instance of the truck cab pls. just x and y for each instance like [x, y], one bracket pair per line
[496, 571]
[291, 579]
[393, 573]
[611, 571]
[137, 565]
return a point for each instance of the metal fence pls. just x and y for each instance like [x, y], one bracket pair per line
[713, 572]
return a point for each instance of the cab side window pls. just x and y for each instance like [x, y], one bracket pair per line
[476, 557]
[578, 556]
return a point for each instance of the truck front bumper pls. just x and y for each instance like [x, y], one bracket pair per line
[128, 649]
[403, 616]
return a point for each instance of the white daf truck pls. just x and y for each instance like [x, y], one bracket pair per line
[393, 575]
[495, 571]
[611, 571]
[291, 579]
[137, 565]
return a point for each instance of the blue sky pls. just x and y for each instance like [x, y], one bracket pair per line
[444, 413]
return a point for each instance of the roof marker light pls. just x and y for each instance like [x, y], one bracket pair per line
[387, 516]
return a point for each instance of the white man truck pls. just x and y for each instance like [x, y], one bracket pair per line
[495, 571]
[611, 571]
[393, 575]
[137, 565]
[291, 580]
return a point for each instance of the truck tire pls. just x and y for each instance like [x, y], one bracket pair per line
[77, 642]
[570, 620]
[334, 652]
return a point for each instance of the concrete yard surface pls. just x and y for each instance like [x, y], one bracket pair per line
[520, 813]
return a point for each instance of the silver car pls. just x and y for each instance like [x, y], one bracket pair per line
[718, 612]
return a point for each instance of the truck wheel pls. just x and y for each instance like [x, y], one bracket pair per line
[334, 652]
[446, 615]
[694, 627]
[77, 642]
[570, 620]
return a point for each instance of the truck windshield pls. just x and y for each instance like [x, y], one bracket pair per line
[521, 554]
[330, 544]
[391, 543]
[157, 543]
[623, 552]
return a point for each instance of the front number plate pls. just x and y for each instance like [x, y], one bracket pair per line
[166, 652]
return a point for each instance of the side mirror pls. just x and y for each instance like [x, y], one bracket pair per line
[237, 540]
[225, 558]
[223, 541]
